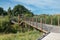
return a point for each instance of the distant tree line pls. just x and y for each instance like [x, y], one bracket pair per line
[18, 9]
[2, 11]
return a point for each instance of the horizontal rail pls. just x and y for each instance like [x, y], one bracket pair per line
[44, 27]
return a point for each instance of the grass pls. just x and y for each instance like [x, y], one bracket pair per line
[5, 18]
[31, 35]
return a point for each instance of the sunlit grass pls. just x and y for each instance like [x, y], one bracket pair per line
[31, 35]
[5, 18]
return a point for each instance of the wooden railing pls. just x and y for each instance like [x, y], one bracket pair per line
[39, 24]
[42, 25]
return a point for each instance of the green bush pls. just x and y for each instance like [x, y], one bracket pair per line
[6, 26]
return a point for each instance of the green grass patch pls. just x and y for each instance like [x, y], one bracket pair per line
[31, 35]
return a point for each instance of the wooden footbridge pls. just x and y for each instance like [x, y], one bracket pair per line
[46, 28]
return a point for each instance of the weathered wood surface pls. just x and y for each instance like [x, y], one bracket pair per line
[52, 36]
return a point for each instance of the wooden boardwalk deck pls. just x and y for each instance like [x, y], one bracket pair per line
[52, 36]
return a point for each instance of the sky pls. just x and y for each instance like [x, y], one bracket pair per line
[36, 6]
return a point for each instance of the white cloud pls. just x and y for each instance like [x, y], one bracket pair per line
[41, 3]
[44, 5]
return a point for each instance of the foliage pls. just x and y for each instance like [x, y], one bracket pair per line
[2, 11]
[20, 9]
[5, 25]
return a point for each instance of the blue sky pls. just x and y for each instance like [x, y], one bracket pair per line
[36, 6]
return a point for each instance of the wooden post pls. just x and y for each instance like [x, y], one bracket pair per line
[18, 19]
[29, 25]
[45, 19]
[36, 22]
[32, 21]
[41, 23]
[18, 22]
[58, 20]
[51, 20]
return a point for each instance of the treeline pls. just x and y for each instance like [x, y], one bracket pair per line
[18, 9]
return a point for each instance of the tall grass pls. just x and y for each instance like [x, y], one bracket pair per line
[31, 35]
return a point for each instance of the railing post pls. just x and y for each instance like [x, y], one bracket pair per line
[41, 23]
[45, 19]
[36, 22]
[18, 19]
[51, 20]
[18, 22]
[58, 20]
[24, 19]
[32, 21]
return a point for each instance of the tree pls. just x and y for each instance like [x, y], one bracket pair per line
[5, 13]
[1, 11]
[9, 11]
[20, 9]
